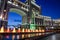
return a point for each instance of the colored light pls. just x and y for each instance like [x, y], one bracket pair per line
[36, 30]
[7, 36]
[19, 30]
[14, 30]
[32, 26]
[8, 30]
[23, 30]
[28, 30]
[13, 37]
[39, 30]
[28, 35]
[43, 30]
[1, 16]
[18, 37]
[22, 35]
[2, 30]
[4, 10]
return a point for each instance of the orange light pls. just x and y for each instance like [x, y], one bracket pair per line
[43, 30]
[13, 37]
[29, 35]
[28, 30]
[23, 30]
[33, 30]
[14, 30]
[22, 35]
[39, 30]
[19, 30]
[8, 30]
[2, 30]
[36, 30]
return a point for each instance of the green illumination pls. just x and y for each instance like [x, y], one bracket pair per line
[32, 26]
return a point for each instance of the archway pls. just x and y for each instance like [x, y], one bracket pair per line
[16, 14]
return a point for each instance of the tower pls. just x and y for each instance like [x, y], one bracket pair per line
[34, 10]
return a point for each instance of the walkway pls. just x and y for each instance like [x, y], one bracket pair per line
[53, 37]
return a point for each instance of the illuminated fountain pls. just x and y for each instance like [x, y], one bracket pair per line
[1, 16]
[14, 30]
[23, 30]
[36, 30]
[43, 30]
[28, 30]
[39, 30]
[2, 30]
[8, 30]
[19, 30]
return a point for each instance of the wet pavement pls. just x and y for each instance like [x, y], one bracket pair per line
[52, 37]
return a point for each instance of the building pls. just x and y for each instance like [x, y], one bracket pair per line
[56, 23]
[3, 15]
[30, 12]
[47, 21]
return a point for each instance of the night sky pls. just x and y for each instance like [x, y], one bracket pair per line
[49, 8]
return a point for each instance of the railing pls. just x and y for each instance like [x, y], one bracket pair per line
[19, 4]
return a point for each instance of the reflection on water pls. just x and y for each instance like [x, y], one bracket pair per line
[39, 33]
[19, 36]
[52, 37]
[13, 37]
[7, 36]
[22, 36]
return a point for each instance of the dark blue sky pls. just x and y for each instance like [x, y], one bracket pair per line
[48, 7]
[14, 18]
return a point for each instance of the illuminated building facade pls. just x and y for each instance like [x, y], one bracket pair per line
[30, 12]
[3, 13]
